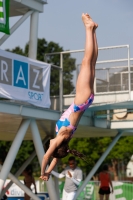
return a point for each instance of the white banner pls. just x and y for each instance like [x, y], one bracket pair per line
[15, 192]
[24, 79]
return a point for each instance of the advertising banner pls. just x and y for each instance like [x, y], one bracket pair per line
[122, 191]
[4, 16]
[24, 79]
[16, 193]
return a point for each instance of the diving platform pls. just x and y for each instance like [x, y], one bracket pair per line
[91, 124]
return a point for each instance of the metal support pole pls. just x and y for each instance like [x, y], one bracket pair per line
[129, 73]
[13, 152]
[22, 186]
[33, 35]
[121, 80]
[108, 80]
[108, 119]
[61, 83]
[97, 165]
[15, 26]
[40, 153]
[21, 169]
[56, 180]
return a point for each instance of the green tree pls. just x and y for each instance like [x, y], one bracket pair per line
[4, 148]
[93, 148]
[25, 151]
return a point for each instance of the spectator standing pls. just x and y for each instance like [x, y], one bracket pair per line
[105, 183]
[73, 176]
[28, 181]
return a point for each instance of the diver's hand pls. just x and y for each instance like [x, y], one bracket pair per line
[45, 176]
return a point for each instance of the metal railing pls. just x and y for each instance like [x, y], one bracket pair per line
[116, 80]
[114, 73]
[123, 190]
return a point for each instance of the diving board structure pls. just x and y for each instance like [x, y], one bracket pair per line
[27, 120]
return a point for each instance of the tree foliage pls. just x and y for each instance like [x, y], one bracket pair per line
[93, 148]
[25, 151]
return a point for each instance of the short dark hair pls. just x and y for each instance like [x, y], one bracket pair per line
[105, 167]
[71, 158]
[29, 170]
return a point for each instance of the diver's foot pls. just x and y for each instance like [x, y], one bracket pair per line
[96, 25]
[88, 22]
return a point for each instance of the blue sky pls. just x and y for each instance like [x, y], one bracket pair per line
[61, 23]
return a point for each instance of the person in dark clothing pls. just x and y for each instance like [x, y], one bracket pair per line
[105, 183]
[28, 180]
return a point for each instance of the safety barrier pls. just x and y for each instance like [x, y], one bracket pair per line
[113, 77]
[123, 190]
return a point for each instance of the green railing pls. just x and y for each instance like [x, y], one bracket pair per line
[122, 191]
